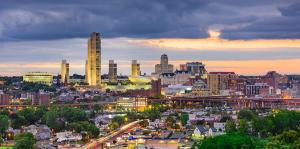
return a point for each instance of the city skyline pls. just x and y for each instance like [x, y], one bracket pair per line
[249, 38]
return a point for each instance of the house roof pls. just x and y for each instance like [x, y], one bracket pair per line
[201, 128]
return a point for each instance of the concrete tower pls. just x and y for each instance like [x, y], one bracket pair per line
[135, 68]
[112, 71]
[93, 70]
[65, 74]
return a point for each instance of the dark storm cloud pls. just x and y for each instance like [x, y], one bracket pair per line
[55, 19]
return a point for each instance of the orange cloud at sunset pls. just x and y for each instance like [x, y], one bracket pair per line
[216, 43]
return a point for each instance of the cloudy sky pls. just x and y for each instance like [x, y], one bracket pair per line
[245, 36]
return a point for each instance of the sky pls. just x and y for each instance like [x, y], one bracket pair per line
[249, 37]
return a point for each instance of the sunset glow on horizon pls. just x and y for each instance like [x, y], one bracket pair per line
[214, 42]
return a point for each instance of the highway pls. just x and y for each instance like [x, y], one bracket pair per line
[95, 143]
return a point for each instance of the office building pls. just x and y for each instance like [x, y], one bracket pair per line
[164, 66]
[196, 68]
[259, 89]
[40, 98]
[130, 103]
[65, 72]
[4, 98]
[112, 71]
[39, 77]
[93, 65]
[135, 68]
[218, 81]
[156, 88]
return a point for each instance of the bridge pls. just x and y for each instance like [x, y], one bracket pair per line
[232, 101]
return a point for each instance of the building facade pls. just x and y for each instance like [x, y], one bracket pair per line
[93, 65]
[196, 68]
[39, 77]
[4, 98]
[135, 68]
[164, 66]
[40, 98]
[65, 72]
[219, 81]
[112, 71]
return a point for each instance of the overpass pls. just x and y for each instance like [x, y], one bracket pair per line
[232, 101]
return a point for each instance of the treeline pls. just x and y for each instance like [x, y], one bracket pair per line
[58, 118]
[280, 129]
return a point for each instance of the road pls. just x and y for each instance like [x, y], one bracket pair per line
[102, 140]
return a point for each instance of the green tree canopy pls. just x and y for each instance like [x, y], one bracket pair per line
[231, 141]
[3, 123]
[25, 141]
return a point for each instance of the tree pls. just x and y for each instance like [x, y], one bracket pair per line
[4, 112]
[246, 114]
[170, 122]
[25, 141]
[18, 122]
[231, 141]
[41, 111]
[3, 123]
[98, 108]
[262, 126]
[53, 121]
[184, 117]
[29, 115]
[119, 120]
[243, 127]
[230, 126]
[90, 128]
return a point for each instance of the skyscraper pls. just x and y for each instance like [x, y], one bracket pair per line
[93, 70]
[112, 71]
[219, 81]
[65, 75]
[135, 69]
[164, 66]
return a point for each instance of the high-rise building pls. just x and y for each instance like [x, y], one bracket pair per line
[4, 98]
[196, 68]
[156, 88]
[93, 66]
[40, 98]
[65, 74]
[135, 68]
[112, 71]
[39, 77]
[219, 81]
[164, 66]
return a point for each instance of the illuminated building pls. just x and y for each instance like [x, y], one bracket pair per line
[178, 77]
[93, 65]
[196, 68]
[4, 98]
[258, 89]
[112, 71]
[39, 77]
[164, 66]
[135, 69]
[156, 88]
[137, 103]
[219, 81]
[65, 74]
[40, 98]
